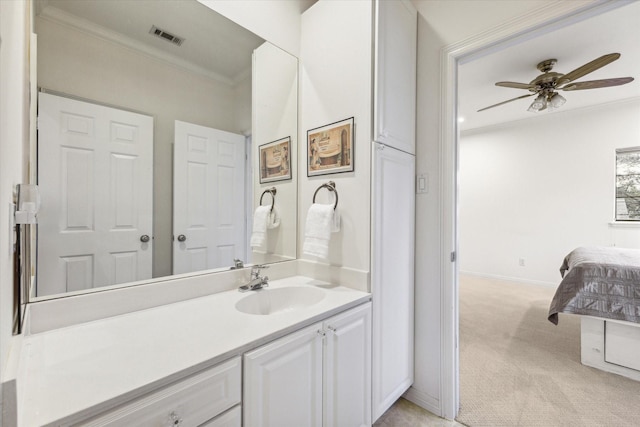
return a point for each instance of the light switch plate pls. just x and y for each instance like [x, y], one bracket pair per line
[422, 183]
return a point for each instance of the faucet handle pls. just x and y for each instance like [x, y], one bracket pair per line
[255, 269]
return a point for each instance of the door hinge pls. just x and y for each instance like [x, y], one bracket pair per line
[453, 256]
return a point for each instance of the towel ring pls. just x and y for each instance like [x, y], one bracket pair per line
[331, 186]
[271, 191]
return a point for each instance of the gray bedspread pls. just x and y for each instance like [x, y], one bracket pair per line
[601, 282]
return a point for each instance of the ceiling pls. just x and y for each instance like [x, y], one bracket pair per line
[219, 47]
[617, 30]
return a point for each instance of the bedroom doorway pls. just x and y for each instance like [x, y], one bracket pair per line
[452, 59]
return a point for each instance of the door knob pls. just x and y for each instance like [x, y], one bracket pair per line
[144, 238]
[182, 238]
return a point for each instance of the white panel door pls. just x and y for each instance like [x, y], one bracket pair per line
[208, 198]
[95, 173]
[283, 382]
[395, 74]
[347, 369]
[393, 275]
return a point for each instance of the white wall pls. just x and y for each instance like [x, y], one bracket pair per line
[14, 133]
[275, 116]
[335, 84]
[277, 21]
[82, 65]
[538, 188]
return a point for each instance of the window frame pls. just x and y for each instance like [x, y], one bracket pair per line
[635, 149]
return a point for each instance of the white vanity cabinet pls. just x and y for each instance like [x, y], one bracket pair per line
[201, 398]
[395, 74]
[318, 376]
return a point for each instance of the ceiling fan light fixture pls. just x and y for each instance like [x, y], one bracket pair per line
[556, 100]
[539, 104]
[546, 84]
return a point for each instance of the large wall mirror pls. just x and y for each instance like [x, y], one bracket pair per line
[162, 127]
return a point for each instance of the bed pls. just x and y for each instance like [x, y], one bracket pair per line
[603, 285]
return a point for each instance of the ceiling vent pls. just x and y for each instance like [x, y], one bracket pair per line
[158, 32]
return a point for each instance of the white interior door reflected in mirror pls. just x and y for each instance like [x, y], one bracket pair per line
[209, 198]
[95, 171]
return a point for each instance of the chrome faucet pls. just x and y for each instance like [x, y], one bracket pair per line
[256, 282]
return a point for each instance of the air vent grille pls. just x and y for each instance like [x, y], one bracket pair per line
[165, 35]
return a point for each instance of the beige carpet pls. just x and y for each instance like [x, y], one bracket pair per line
[518, 369]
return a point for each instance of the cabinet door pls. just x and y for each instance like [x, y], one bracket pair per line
[395, 74]
[392, 280]
[347, 369]
[283, 381]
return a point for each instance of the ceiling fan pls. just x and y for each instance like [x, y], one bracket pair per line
[549, 82]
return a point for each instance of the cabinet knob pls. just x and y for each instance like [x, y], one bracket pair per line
[174, 419]
[182, 238]
[332, 329]
[321, 332]
[144, 238]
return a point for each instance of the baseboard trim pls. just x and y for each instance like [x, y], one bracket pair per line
[424, 401]
[511, 279]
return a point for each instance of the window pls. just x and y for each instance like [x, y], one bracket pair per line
[628, 184]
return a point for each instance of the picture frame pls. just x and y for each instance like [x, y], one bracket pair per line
[330, 148]
[275, 160]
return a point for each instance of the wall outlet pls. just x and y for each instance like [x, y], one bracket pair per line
[521, 262]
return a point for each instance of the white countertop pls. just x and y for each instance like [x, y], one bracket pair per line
[71, 372]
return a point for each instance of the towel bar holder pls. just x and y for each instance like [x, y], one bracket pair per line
[271, 191]
[331, 186]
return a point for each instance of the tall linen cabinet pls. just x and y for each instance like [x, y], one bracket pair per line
[393, 201]
[358, 59]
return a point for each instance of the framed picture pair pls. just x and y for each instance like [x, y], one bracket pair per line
[330, 150]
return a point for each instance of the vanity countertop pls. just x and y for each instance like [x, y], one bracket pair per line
[79, 370]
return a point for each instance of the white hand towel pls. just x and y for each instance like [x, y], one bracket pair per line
[335, 222]
[274, 219]
[317, 230]
[259, 233]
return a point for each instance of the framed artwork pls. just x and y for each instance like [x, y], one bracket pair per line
[275, 160]
[330, 148]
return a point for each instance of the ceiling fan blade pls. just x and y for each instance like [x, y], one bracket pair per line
[595, 84]
[516, 85]
[588, 68]
[505, 102]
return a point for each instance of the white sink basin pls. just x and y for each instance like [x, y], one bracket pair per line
[279, 300]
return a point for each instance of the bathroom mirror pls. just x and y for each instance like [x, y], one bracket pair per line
[201, 95]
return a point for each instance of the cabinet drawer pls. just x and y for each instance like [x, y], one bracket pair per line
[622, 344]
[189, 402]
[231, 418]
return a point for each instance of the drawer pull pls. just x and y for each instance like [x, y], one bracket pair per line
[174, 419]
